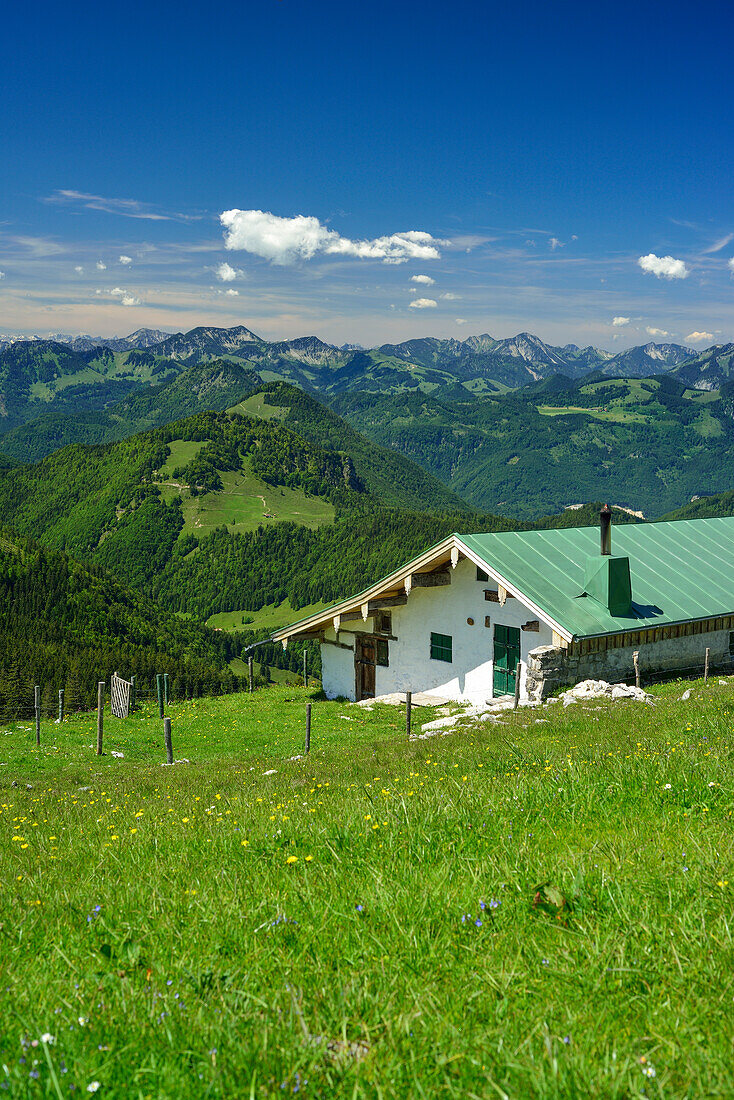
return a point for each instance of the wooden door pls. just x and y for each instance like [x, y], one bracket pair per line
[365, 652]
[506, 656]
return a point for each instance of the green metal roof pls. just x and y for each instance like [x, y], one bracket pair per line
[680, 570]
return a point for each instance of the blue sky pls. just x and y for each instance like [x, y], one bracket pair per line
[532, 154]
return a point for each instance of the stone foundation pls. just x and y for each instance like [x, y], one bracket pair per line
[551, 668]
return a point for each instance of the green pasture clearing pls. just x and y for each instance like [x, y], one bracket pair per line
[257, 407]
[45, 391]
[618, 414]
[367, 922]
[244, 504]
[702, 397]
[269, 617]
[180, 453]
[707, 425]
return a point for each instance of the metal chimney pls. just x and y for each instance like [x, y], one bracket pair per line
[605, 522]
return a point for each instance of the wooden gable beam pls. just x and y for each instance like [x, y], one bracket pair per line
[431, 580]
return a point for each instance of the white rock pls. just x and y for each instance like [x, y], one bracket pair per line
[686, 694]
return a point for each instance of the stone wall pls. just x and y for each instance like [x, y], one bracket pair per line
[550, 668]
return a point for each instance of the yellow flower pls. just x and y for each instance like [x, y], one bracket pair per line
[292, 859]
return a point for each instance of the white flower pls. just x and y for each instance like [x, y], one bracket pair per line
[712, 784]
[649, 1071]
[93, 1086]
[667, 786]
[82, 1021]
[48, 1039]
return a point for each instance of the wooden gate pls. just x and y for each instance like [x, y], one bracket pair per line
[120, 692]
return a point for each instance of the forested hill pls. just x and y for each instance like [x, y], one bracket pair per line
[214, 385]
[389, 475]
[125, 503]
[65, 625]
[37, 376]
[221, 511]
[648, 444]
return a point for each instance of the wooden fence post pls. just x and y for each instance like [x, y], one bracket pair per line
[517, 686]
[61, 705]
[159, 690]
[37, 708]
[250, 674]
[308, 729]
[706, 666]
[408, 709]
[100, 715]
[167, 739]
[636, 659]
[305, 669]
[165, 688]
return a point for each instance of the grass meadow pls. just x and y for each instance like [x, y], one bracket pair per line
[367, 921]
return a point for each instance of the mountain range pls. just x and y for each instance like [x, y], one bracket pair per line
[83, 373]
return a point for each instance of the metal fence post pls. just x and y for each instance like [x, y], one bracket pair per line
[706, 665]
[37, 708]
[517, 686]
[61, 705]
[408, 709]
[159, 690]
[308, 729]
[250, 674]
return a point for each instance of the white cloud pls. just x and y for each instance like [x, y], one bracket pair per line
[555, 243]
[128, 208]
[657, 332]
[449, 297]
[422, 303]
[226, 273]
[124, 296]
[618, 321]
[731, 263]
[2, 274]
[126, 260]
[718, 245]
[700, 337]
[461, 321]
[232, 293]
[424, 280]
[79, 269]
[286, 240]
[663, 267]
[100, 266]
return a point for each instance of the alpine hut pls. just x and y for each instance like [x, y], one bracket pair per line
[553, 607]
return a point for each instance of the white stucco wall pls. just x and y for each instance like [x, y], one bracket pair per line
[444, 610]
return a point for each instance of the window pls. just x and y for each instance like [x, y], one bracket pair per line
[481, 575]
[441, 647]
[383, 622]
[381, 655]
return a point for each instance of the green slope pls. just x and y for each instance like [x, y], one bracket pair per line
[647, 444]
